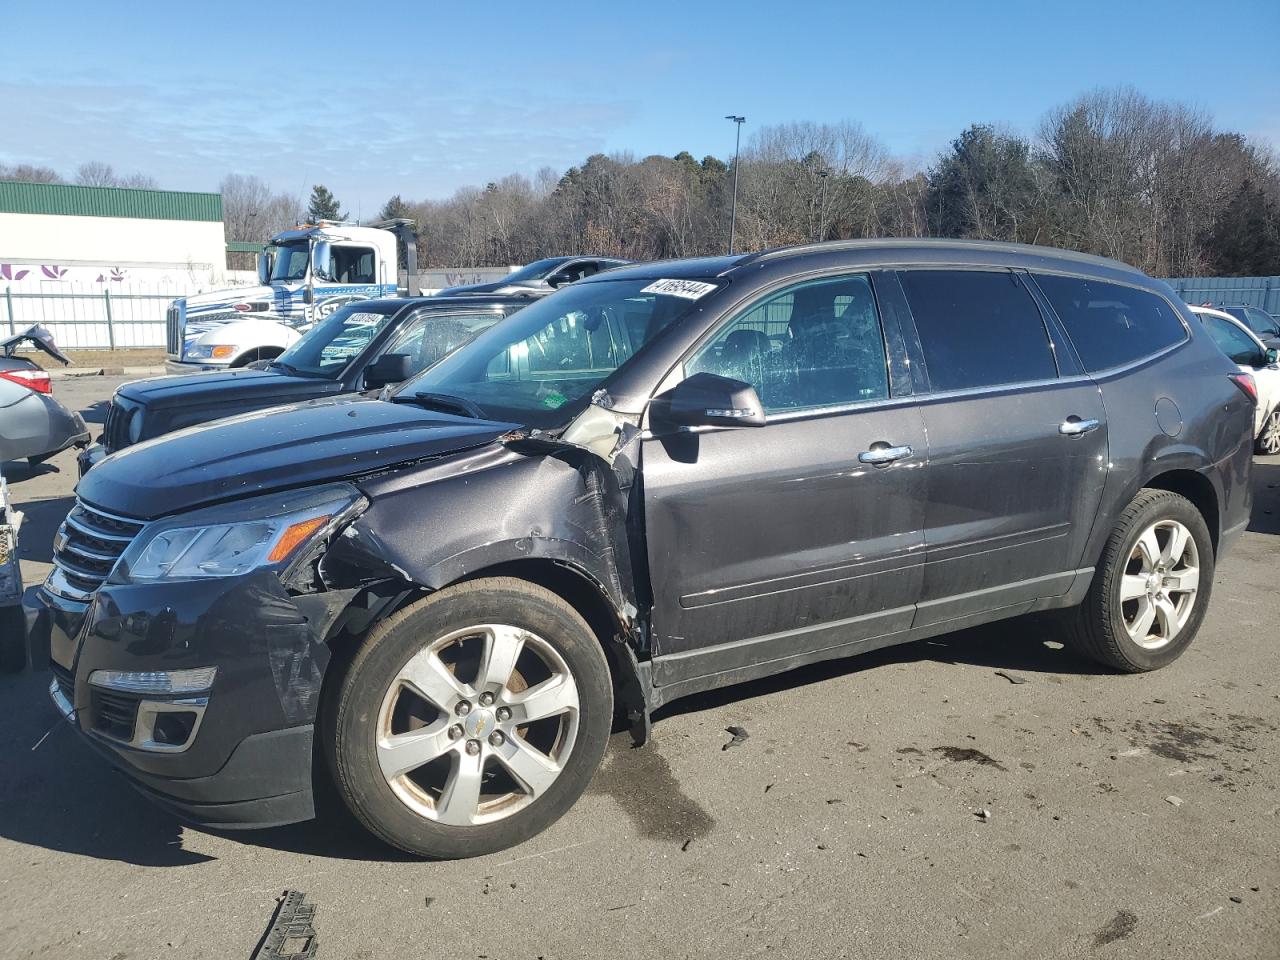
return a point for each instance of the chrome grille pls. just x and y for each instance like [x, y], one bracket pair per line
[86, 548]
[173, 331]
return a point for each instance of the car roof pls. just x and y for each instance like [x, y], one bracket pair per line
[882, 251]
[1223, 315]
[471, 300]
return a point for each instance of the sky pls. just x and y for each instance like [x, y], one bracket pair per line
[419, 98]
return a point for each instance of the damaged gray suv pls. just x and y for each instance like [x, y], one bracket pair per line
[664, 479]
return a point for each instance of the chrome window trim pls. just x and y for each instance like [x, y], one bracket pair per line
[1120, 367]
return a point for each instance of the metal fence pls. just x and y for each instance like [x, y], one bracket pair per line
[1261, 292]
[103, 320]
[90, 321]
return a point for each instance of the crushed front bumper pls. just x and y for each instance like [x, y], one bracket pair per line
[247, 759]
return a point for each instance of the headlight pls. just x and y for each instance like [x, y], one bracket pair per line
[235, 538]
[210, 351]
[135, 425]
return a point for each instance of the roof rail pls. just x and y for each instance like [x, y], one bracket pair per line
[778, 253]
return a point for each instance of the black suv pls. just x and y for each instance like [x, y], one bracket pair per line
[361, 346]
[657, 481]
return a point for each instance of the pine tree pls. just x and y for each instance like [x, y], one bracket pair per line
[323, 205]
[394, 209]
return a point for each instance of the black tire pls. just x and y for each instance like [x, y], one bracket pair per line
[1096, 628]
[13, 639]
[355, 703]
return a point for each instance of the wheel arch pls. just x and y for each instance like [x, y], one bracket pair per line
[256, 353]
[1197, 488]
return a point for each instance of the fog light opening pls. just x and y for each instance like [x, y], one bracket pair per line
[174, 729]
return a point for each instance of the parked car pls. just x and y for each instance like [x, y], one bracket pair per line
[1263, 324]
[1254, 357]
[33, 425]
[540, 277]
[656, 481]
[361, 346]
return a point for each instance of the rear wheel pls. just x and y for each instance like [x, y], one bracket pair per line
[1269, 439]
[472, 720]
[1150, 592]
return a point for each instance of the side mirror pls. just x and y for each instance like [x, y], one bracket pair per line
[708, 400]
[559, 279]
[1271, 356]
[388, 368]
[264, 268]
[322, 260]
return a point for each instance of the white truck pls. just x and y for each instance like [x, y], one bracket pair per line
[303, 274]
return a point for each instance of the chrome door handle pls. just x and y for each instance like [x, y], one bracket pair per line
[1075, 427]
[881, 456]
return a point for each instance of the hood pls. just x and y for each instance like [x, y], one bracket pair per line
[294, 446]
[214, 300]
[166, 404]
[241, 381]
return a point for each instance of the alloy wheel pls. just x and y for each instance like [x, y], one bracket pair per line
[477, 725]
[1269, 439]
[1159, 585]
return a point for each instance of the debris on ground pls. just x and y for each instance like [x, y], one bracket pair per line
[1011, 677]
[1118, 927]
[292, 933]
[968, 755]
[739, 734]
[1176, 801]
[984, 815]
[1236, 899]
[685, 846]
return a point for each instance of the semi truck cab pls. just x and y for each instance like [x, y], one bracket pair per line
[304, 274]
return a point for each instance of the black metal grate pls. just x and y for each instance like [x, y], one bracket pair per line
[114, 714]
[172, 331]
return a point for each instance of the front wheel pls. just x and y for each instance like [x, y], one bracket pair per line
[471, 720]
[1151, 590]
[1269, 439]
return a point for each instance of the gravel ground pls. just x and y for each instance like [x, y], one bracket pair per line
[1126, 816]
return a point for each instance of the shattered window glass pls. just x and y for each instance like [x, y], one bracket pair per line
[815, 345]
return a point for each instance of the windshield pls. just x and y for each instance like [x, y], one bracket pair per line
[328, 347]
[290, 261]
[538, 270]
[534, 367]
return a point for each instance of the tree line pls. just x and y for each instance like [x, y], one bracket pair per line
[1113, 172]
[1152, 183]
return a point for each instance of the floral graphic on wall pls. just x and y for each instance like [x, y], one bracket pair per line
[118, 274]
[9, 272]
[54, 272]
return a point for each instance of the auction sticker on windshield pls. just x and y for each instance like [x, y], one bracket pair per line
[364, 319]
[688, 289]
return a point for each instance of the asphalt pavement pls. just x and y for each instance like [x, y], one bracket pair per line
[981, 794]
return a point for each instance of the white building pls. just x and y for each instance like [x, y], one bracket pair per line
[73, 257]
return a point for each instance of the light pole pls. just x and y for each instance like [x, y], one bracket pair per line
[733, 210]
[822, 205]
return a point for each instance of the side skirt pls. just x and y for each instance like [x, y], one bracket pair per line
[723, 665]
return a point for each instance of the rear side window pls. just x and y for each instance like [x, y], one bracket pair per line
[1109, 324]
[977, 328]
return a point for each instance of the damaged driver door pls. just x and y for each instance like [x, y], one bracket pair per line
[777, 543]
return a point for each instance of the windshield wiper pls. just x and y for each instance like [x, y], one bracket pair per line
[283, 366]
[450, 404]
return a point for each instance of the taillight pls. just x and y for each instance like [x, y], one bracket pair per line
[1245, 382]
[37, 380]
